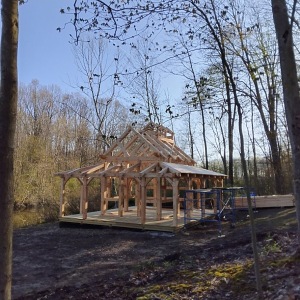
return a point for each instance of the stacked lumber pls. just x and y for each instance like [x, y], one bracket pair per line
[266, 201]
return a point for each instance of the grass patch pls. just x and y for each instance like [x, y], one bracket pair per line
[27, 218]
[191, 283]
[283, 262]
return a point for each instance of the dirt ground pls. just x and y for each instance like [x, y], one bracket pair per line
[79, 262]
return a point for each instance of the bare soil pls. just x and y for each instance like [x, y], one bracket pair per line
[80, 262]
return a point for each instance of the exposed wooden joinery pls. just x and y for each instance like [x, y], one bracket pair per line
[142, 165]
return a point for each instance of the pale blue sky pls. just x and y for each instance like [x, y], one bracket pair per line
[44, 53]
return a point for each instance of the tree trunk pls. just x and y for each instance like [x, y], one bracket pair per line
[290, 90]
[8, 110]
[255, 170]
[199, 101]
[250, 210]
[190, 133]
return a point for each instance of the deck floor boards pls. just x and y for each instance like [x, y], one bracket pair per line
[129, 219]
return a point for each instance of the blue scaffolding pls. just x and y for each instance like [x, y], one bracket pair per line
[203, 205]
[236, 198]
[215, 205]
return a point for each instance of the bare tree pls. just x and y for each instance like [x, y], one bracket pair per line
[99, 70]
[144, 83]
[199, 97]
[8, 111]
[211, 15]
[257, 54]
[213, 22]
[219, 134]
[284, 31]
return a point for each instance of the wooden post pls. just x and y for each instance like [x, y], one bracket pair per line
[154, 184]
[158, 199]
[84, 198]
[62, 197]
[121, 198]
[198, 194]
[81, 198]
[138, 196]
[143, 200]
[176, 207]
[103, 205]
[126, 194]
[164, 183]
[109, 186]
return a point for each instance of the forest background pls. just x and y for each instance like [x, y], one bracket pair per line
[222, 53]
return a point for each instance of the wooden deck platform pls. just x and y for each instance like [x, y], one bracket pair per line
[129, 220]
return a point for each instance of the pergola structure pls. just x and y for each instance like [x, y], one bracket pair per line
[145, 166]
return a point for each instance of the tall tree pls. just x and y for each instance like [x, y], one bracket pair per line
[213, 16]
[201, 94]
[143, 83]
[99, 70]
[8, 111]
[257, 53]
[284, 32]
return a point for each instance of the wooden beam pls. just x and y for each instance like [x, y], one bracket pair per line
[167, 140]
[79, 179]
[129, 143]
[103, 205]
[143, 200]
[62, 197]
[114, 145]
[121, 198]
[126, 147]
[158, 199]
[133, 159]
[174, 152]
[136, 148]
[105, 172]
[163, 171]
[126, 193]
[81, 199]
[148, 180]
[176, 204]
[93, 169]
[145, 171]
[170, 181]
[172, 170]
[146, 151]
[75, 172]
[158, 143]
[84, 205]
[170, 150]
[154, 148]
[123, 150]
[138, 196]
[109, 173]
[129, 169]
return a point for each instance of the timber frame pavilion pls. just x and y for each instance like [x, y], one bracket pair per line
[145, 166]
